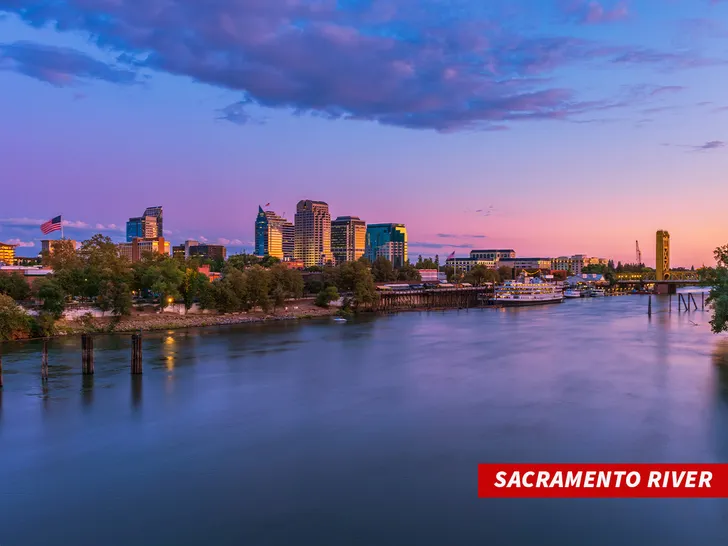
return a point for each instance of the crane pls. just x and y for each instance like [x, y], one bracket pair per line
[639, 252]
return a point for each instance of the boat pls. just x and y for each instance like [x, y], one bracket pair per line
[526, 291]
[339, 319]
[597, 292]
[572, 293]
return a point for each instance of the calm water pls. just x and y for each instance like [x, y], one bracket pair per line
[366, 433]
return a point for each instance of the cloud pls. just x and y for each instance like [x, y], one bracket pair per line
[444, 66]
[75, 224]
[21, 244]
[712, 145]
[202, 239]
[454, 236]
[232, 242]
[60, 66]
[438, 245]
[593, 12]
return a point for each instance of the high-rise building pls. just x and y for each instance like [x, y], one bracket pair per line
[149, 225]
[274, 235]
[7, 254]
[313, 233]
[135, 250]
[195, 249]
[348, 238]
[663, 256]
[49, 245]
[388, 240]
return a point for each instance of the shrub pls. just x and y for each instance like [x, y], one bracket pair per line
[14, 321]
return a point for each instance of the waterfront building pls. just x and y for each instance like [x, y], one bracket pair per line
[149, 225]
[663, 256]
[348, 238]
[465, 265]
[528, 264]
[493, 255]
[432, 276]
[135, 250]
[48, 246]
[7, 254]
[195, 249]
[388, 240]
[274, 235]
[576, 263]
[313, 233]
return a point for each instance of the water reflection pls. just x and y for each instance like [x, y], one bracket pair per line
[136, 391]
[87, 389]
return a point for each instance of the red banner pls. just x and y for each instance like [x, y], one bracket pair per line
[602, 480]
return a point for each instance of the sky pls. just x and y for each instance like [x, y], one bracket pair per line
[553, 127]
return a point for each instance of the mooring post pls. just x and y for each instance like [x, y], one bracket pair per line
[136, 354]
[669, 309]
[44, 362]
[649, 306]
[702, 301]
[87, 354]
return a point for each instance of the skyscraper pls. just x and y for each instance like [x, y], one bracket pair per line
[388, 240]
[348, 238]
[274, 235]
[313, 233]
[663, 256]
[147, 226]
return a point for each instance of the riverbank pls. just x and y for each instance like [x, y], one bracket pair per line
[299, 310]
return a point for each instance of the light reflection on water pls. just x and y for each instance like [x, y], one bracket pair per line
[363, 433]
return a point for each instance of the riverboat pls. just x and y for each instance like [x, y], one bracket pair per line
[527, 291]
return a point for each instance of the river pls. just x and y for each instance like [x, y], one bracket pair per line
[364, 433]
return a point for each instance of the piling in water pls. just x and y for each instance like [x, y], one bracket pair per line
[87, 354]
[44, 362]
[1, 371]
[702, 301]
[649, 306]
[136, 354]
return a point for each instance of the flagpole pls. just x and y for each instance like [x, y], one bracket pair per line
[62, 226]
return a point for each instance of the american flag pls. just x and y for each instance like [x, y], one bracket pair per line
[51, 225]
[451, 256]
[267, 204]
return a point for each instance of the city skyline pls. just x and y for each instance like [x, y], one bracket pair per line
[593, 125]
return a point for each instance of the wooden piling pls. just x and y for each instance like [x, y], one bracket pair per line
[669, 308]
[1, 371]
[649, 306]
[44, 362]
[702, 301]
[136, 354]
[87, 354]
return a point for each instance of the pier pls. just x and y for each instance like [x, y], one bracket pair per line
[437, 298]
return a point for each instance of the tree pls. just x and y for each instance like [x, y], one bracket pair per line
[481, 275]
[284, 284]
[326, 296]
[53, 298]
[192, 286]
[717, 279]
[114, 296]
[258, 282]
[242, 261]
[67, 266]
[408, 272]
[14, 322]
[505, 272]
[356, 279]
[15, 286]
[382, 270]
[269, 261]
[427, 263]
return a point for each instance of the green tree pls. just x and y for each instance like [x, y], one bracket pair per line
[15, 286]
[258, 283]
[14, 322]
[53, 298]
[427, 263]
[505, 272]
[269, 261]
[480, 275]
[192, 286]
[408, 272]
[284, 284]
[114, 296]
[68, 267]
[382, 270]
[717, 279]
[326, 296]
[356, 279]
[242, 261]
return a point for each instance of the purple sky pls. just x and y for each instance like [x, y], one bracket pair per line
[572, 126]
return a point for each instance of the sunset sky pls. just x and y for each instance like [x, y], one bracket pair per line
[572, 126]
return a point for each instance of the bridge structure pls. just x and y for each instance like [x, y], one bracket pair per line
[668, 285]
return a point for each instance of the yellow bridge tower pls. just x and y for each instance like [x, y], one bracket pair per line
[663, 256]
